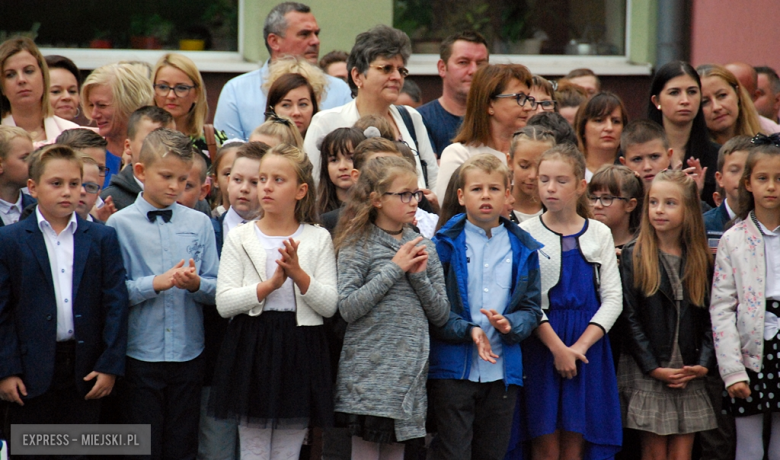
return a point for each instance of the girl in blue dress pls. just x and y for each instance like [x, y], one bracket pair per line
[571, 405]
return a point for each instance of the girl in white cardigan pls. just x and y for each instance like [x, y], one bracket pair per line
[277, 281]
[571, 407]
[745, 306]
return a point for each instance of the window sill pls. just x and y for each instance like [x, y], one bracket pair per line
[551, 65]
[207, 61]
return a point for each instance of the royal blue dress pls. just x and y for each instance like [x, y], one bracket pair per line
[588, 403]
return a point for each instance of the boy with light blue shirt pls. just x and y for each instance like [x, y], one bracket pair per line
[171, 260]
[492, 272]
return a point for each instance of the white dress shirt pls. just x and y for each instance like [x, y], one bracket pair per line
[231, 221]
[10, 212]
[772, 252]
[60, 250]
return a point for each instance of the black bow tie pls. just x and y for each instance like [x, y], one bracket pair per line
[166, 215]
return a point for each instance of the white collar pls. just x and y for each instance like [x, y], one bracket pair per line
[729, 211]
[43, 223]
[5, 207]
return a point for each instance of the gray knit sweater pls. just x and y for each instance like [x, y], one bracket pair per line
[384, 362]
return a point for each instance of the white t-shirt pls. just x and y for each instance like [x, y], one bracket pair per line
[282, 299]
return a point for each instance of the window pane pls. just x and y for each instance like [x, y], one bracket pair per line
[594, 27]
[209, 24]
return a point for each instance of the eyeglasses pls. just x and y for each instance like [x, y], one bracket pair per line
[406, 197]
[606, 200]
[390, 68]
[179, 90]
[547, 106]
[91, 187]
[104, 170]
[521, 99]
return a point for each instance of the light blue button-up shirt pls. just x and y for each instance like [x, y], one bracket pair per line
[241, 106]
[165, 326]
[490, 280]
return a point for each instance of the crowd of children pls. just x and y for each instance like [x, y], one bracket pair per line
[546, 316]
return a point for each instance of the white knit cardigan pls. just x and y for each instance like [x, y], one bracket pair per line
[598, 248]
[242, 267]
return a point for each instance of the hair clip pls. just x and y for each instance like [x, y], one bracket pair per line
[371, 131]
[271, 115]
[763, 139]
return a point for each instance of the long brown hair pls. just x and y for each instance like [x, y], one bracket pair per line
[747, 121]
[340, 141]
[569, 154]
[488, 82]
[306, 207]
[647, 273]
[376, 177]
[16, 45]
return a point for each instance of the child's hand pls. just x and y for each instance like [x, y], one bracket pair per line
[106, 210]
[423, 264]
[12, 389]
[187, 277]
[165, 281]
[278, 278]
[566, 361]
[409, 254]
[289, 261]
[484, 349]
[498, 321]
[103, 385]
[695, 172]
[739, 390]
[432, 199]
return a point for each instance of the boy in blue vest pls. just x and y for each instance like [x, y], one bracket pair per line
[491, 268]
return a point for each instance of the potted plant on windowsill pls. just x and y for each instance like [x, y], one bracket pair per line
[149, 32]
[519, 36]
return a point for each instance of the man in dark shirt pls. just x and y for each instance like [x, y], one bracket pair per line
[461, 55]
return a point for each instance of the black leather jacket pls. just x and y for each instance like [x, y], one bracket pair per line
[650, 322]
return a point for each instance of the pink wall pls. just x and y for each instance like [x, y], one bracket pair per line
[724, 31]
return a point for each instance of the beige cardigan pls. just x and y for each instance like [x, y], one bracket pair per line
[242, 267]
[737, 303]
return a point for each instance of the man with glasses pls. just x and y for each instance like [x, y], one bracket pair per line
[290, 30]
[461, 55]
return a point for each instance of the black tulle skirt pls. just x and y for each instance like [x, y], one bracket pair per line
[269, 369]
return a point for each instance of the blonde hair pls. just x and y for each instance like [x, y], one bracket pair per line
[306, 207]
[375, 179]
[163, 142]
[695, 278]
[747, 122]
[531, 134]
[51, 152]
[9, 133]
[484, 162]
[568, 153]
[293, 64]
[13, 46]
[130, 89]
[196, 117]
[282, 128]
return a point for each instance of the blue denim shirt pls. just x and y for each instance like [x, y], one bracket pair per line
[241, 106]
[489, 262]
[165, 326]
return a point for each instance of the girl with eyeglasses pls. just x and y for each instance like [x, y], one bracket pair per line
[179, 89]
[615, 195]
[598, 126]
[377, 69]
[499, 104]
[543, 95]
[391, 286]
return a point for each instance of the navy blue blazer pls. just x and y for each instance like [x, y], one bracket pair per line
[28, 309]
[27, 200]
[715, 219]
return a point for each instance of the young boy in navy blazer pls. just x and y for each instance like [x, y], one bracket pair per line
[171, 260]
[63, 302]
[15, 146]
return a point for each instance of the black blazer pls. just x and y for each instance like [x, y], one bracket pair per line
[650, 322]
[28, 310]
